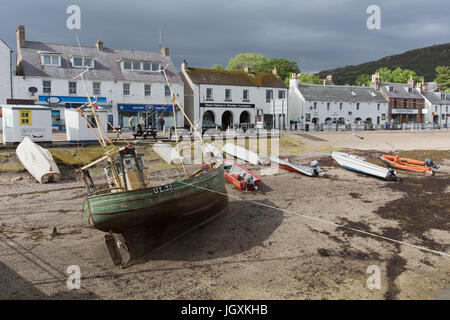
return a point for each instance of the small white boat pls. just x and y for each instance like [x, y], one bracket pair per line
[210, 151]
[168, 153]
[312, 171]
[359, 164]
[38, 161]
[243, 154]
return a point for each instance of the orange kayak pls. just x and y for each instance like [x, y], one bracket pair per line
[409, 164]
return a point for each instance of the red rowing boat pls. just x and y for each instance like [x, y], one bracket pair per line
[240, 177]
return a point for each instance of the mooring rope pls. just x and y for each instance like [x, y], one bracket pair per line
[318, 219]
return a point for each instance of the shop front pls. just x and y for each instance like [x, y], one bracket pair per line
[406, 115]
[59, 103]
[152, 114]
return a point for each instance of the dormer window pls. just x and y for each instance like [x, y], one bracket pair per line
[51, 60]
[409, 90]
[443, 96]
[373, 94]
[140, 66]
[79, 62]
[353, 93]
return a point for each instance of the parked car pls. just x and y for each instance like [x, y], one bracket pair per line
[210, 125]
[182, 133]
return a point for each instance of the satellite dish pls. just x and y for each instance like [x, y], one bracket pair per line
[33, 90]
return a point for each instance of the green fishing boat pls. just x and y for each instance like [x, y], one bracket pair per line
[139, 217]
[148, 218]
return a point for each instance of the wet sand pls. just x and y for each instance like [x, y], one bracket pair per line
[253, 251]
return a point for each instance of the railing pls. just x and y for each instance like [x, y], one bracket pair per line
[332, 127]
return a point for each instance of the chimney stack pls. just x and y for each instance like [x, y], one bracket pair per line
[376, 81]
[184, 65]
[20, 36]
[99, 45]
[165, 51]
[411, 81]
[275, 71]
[246, 69]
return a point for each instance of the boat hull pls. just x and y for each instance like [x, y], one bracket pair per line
[153, 217]
[406, 164]
[358, 164]
[237, 183]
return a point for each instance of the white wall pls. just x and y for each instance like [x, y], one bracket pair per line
[112, 90]
[437, 109]
[38, 130]
[257, 96]
[5, 72]
[299, 106]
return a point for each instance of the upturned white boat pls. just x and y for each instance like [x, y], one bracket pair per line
[243, 154]
[38, 161]
[312, 171]
[169, 154]
[359, 164]
[211, 151]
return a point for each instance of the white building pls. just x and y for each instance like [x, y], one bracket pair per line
[230, 98]
[123, 82]
[6, 75]
[438, 107]
[317, 104]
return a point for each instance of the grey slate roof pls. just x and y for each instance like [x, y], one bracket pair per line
[399, 91]
[107, 65]
[316, 92]
[435, 97]
[433, 86]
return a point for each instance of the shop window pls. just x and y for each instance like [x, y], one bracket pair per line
[126, 89]
[72, 87]
[147, 90]
[47, 87]
[269, 95]
[25, 117]
[167, 91]
[308, 117]
[96, 88]
[209, 93]
[245, 95]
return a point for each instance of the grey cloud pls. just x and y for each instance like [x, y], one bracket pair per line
[317, 34]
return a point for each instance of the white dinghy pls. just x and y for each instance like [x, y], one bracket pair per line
[243, 154]
[169, 154]
[312, 171]
[359, 164]
[38, 161]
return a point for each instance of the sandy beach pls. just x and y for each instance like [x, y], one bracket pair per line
[296, 245]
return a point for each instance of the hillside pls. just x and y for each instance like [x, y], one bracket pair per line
[423, 61]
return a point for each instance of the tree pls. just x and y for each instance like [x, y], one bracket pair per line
[256, 62]
[306, 78]
[218, 67]
[443, 77]
[363, 80]
[398, 75]
[284, 66]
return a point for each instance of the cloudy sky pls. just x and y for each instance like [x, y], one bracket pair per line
[318, 34]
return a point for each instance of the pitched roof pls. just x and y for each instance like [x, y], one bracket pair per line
[399, 91]
[436, 97]
[1, 41]
[317, 92]
[234, 78]
[106, 67]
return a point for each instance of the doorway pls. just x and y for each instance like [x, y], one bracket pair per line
[227, 120]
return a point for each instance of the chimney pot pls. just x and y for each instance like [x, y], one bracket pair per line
[165, 51]
[99, 45]
[275, 71]
[184, 65]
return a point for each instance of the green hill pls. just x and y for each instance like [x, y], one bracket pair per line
[423, 61]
